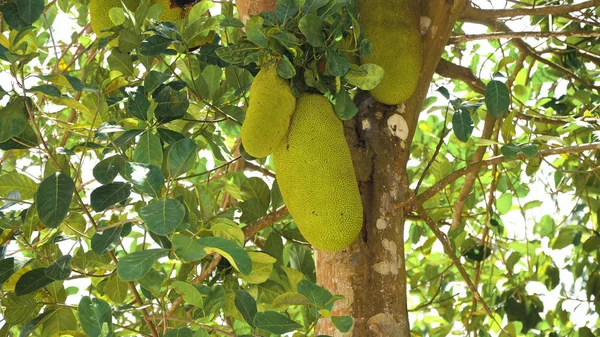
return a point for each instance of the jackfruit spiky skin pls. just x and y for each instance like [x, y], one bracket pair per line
[394, 32]
[99, 16]
[173, 10]
[272, 104]
[316, 176]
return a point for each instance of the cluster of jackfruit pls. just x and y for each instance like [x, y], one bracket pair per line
[396, 39]
[172, 10]
[312, 159]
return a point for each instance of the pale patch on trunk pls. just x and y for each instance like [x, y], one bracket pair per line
[384, 325]
[398, 126]
[381, 224]
[391, 265]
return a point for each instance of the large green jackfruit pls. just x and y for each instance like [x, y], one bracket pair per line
[393, 28]
[272, 104]
[99, 17]
[316, 176]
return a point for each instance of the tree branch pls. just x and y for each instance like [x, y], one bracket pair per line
[450, 70]
[472, 12]
[513, 35]
[265, 221]
[433, 190]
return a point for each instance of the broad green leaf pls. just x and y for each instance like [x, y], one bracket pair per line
[246, 305]
[510, 151]
[336, 64]
[116, 289]
[93, 314]
[105, 241]
[256, 188]
[58, 322]
[462, 124]
[135, 265]
[7, 268]
[366, 76]
[18, 309]
[17, 182]
[187, 248]
[171, 103]
[317, 295]
[31, 281]
[60, 269]
[30, 10]
[137, 102]
[235, 254]
[497, 99]
[154, 45]
[312, 27]
[504, 203]
[342, 323]
[153, 80]
[147, 178]
[190, 294]
[53, 199]
[180, 332]
[182, 156]
[285, 9]
[285, 68]
[148, 150]
[255, 31]
[106, 196]
[344, 106]
[13, 120]
[287, 299]
[225, 228]
[275, 322]
[108, 169]
[121, 62]
[163, 216]
[262, 266]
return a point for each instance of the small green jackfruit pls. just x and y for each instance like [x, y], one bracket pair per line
[316, 176]
[272, 104]
[394, 32]
[173, 10]
[99, 17]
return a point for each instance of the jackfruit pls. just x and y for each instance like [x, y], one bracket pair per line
[395, 35]
[173, 10]
[316, 176]
[99, 17]
[272, 104]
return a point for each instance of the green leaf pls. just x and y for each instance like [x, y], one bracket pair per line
[236, 53]
[121, 62]
[116, 289]
[31, 281]
[255, 31]
[312, 27]
[275, 322]
[59, 320]
[163, 216]
[154, 45]
[107, 195]
[7, 268]
[152, 81]
[342, 323]
[189, 293]
[180, 332]
[530, 150]
[285, 68]
[212, 76]
[17, 182]
[336, 64]
[366, 76]
[171, 103]
[148, 150]
[246, 305]
[30, 10]
[137, 102]
[462, 124]
[18, 309]
[344, 106]
[510, 151]
[318, 295]
[93, 314]
[187, 248]
[504, 203]
[182, 156]
[235, 254]
[13, 120]
[262, 266]
[105, 241]
[285, 9]
[147, 178]
[136, 265]
[497, 99]
[287, 299]
[47, 89]
[60, 269]
[108, 169]
[53, 199]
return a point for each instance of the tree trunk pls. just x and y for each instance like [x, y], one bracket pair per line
[371, 273]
